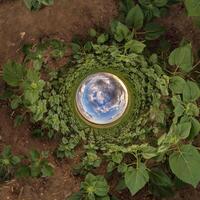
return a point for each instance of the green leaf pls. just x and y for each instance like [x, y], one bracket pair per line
[120, 31]
[182, 57]
[92, 32]
[36, 4]
[149, 152]
[47, 170]
[75, 48]
[192, 109]
[160, 3]
[35, 170]
[95, 185]
[111, 166]
[177, 84]
[135, 46]
[102, 38]
[6, 152]
[15, 102]
[185, 164]
[160, 183]
[126, 5]
[34, 155]
[117, 158]
[153, 31]
[193, 7]
[47, 2]
[183, 129]
[195, 129]
[33, 4]
[76, 196]
[16, 160]
[23, 171]
[135, 17]
[158, 177]
[122, 168]
[18, 120]
[13, 73]
[136, 179]
[191, 92]
[101, 187]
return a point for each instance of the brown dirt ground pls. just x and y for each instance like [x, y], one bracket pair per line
[63, 20]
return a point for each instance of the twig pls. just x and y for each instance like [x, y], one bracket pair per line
[198, 63]
[20, 194]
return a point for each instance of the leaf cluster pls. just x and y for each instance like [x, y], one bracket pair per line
[34, 5]
[92, 188]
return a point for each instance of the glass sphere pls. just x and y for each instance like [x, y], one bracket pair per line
[102, 98]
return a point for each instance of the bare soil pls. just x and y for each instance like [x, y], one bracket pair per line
[64, 20]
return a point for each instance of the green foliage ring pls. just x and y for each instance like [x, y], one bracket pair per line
[139, 76]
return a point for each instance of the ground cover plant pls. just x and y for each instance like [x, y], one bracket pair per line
[152, 144]
[37, 4]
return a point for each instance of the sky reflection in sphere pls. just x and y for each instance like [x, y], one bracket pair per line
[102, 98]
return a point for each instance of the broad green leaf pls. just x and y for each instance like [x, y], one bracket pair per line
[18, 120]
[179, 108]
[185, 164]
[34, 155]
[35, 170]
[75, 48]
[92, 32]
[15, 160]
[177, 84]
[111, 166]
[126, 5]
[191, 92]
[192, 109]
[38, 109]
[76, 196]
[13, 73]
[47, 170]
[183, 129]
[37, 4]
[102, 38]
[136, 179]
[122, 168]
[158, 177]
[33, 4]
[47, 2]
[195, 129]
[149, 152]
[95, 185]
[6, 152]
[135, 46]
[135, 17]
[153, 31]
[15, 102]
[160, 183]
[104, 198]
[120, 31]
[117, 158]
[160, 3]
[23, 171]
[182, 57]
[193, 7]
[101, 187]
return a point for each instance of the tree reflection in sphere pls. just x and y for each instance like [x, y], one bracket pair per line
[102, 98]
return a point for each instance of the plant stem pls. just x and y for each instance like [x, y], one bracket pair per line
[198, 63]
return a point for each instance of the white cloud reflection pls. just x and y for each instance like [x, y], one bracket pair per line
[102, 98]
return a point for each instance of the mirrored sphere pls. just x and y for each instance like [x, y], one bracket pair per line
[102, 98]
